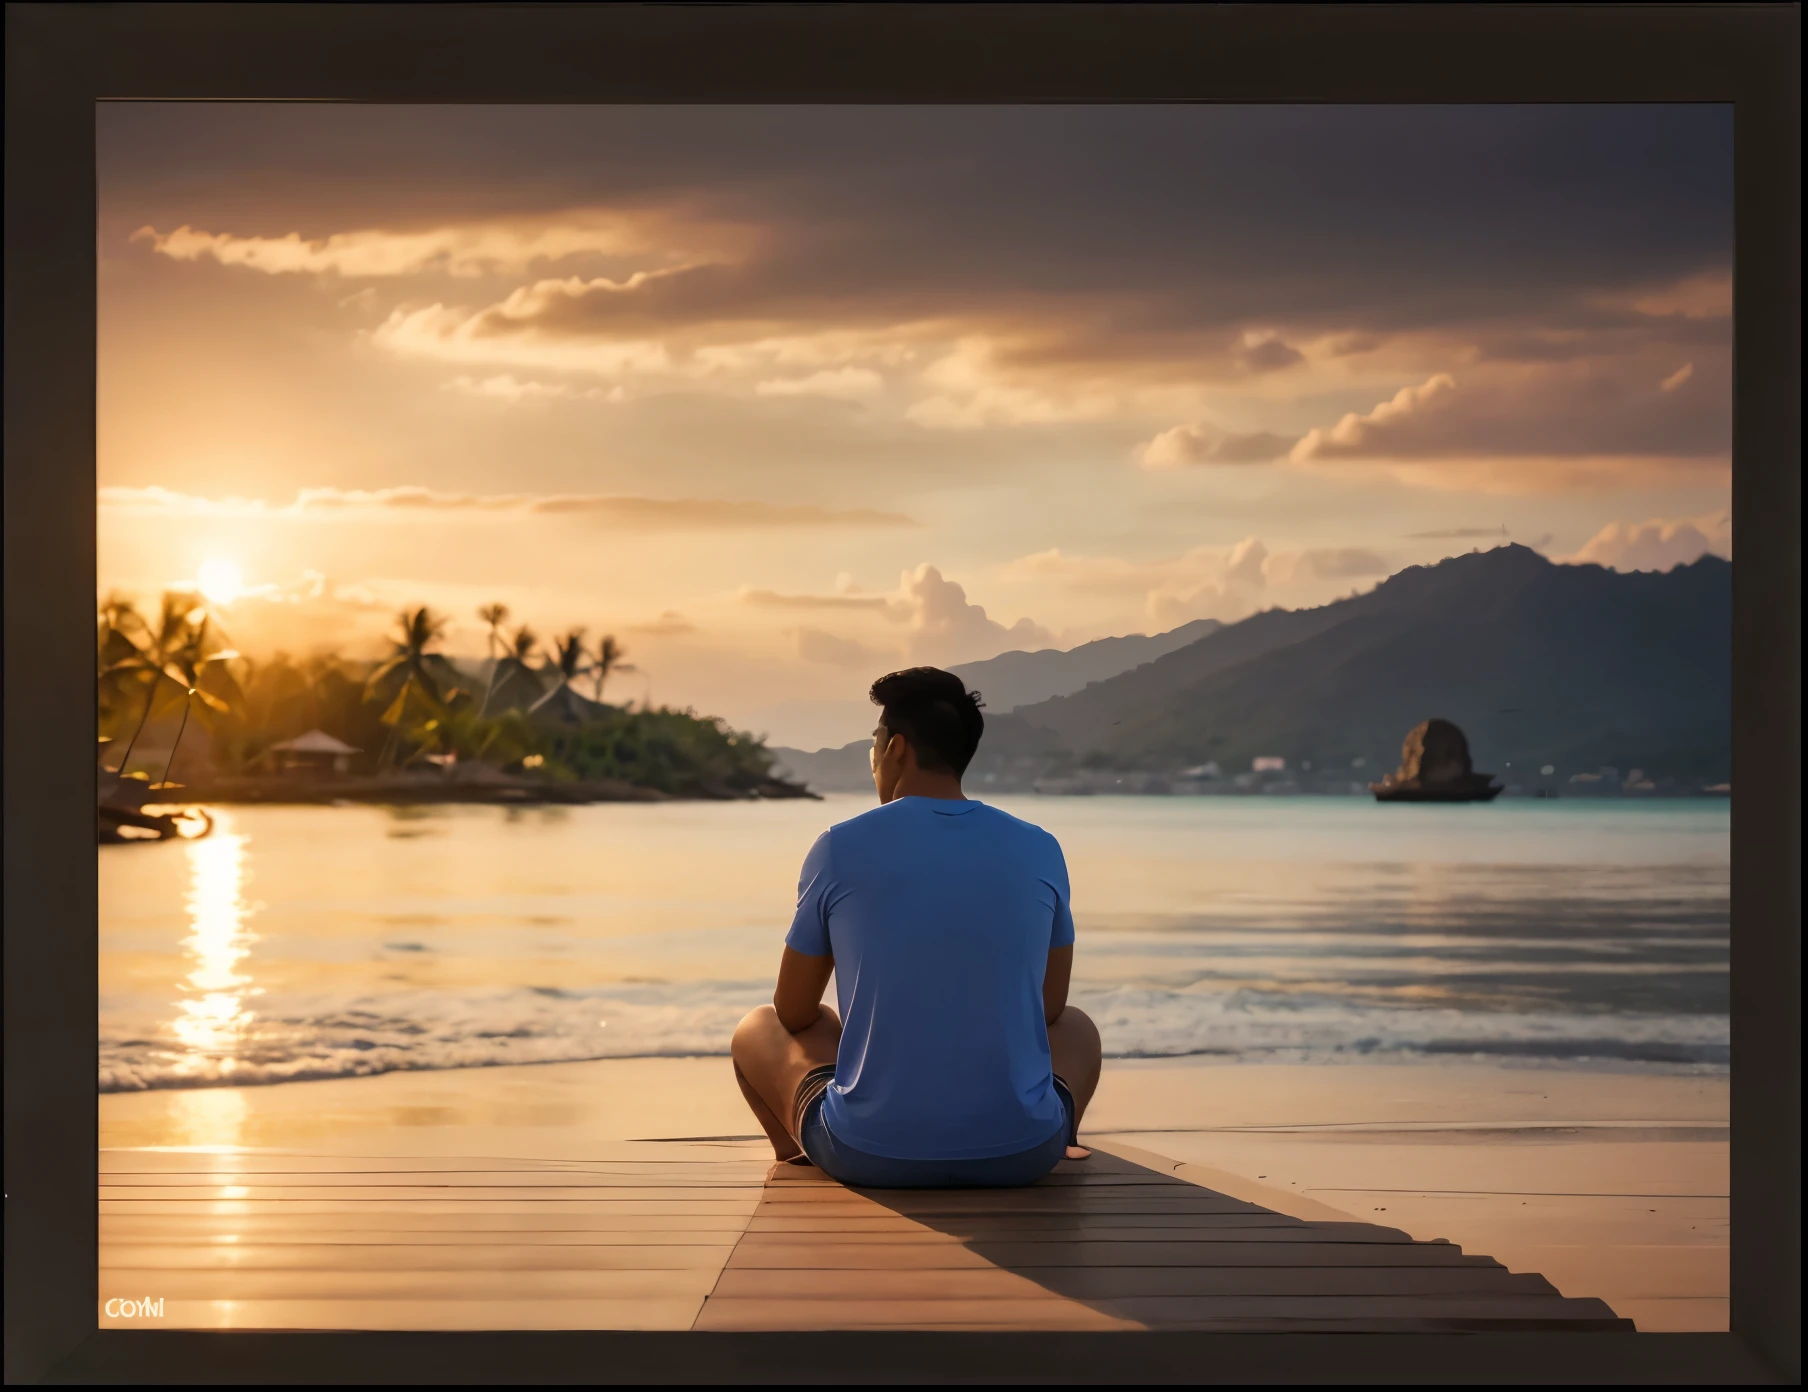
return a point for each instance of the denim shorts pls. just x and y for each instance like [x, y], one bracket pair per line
[859, 1170]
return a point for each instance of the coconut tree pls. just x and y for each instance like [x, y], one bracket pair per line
[493, 616]
[209, 684]
[169, 660]
[566, 667]
[118, 631]
[411, 668]
[516, 684]
[607, 659]
[412, 672]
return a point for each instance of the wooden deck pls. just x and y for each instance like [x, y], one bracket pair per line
[714, 1237]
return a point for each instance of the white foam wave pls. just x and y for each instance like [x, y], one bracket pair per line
[425, 1030]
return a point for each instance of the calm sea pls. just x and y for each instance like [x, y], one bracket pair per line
[325, 942]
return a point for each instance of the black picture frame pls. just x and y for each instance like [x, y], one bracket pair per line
[63, 59]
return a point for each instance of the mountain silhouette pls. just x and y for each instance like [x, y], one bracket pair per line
[1023, 678]
[1570, 665]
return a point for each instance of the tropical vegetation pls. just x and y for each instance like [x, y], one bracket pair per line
[521, 712]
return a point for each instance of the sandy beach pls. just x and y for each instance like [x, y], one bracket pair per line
[1612, 1184]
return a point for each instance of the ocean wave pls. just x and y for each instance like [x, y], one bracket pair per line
[307, 1040]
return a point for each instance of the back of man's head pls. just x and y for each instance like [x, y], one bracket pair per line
[935, 713]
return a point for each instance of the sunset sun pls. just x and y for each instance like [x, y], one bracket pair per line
[219, 581]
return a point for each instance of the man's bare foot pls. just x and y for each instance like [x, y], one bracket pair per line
[1078, 1152]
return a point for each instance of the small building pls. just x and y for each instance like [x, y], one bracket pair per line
[1268, 763]
[314, 753]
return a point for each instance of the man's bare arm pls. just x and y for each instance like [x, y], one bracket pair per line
[801, 982]
[1054, 982]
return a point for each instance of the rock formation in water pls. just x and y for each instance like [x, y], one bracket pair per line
[1435, 767]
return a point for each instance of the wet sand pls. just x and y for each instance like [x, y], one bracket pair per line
[1612, 1183]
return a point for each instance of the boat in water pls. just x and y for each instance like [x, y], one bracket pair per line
[1435, 767]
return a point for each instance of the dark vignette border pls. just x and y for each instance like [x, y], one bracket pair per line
[61, 59]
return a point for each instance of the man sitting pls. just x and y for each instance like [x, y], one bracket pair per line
[955, 1060]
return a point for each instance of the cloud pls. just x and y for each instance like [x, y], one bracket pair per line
[815, 645]
[1658, 544]
[1458, 534]
[1358, 436]
[946, 627]
[1349, 345]
[1677, 378]
[1205, 582]
[1708, 295]
[701, 513]
[941, 624]
[670, 624]
[1244, 564]
[644, 302]
[845, 383]
[973, 393]
[451, 333]
[1343, 562]
[773, 599]
[1600, 409]
[459, 250]
[1264, 351]
[1206, 444]
[507, 388]
[1155, 241]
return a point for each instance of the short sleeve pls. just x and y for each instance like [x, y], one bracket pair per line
[810, 924]
[1063, 934]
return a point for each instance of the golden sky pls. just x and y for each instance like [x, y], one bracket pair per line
[788, 397]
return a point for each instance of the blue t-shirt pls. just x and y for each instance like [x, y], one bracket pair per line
[940, 915]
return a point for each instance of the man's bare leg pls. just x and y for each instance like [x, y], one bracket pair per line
[770, 1062]
[1078, 1055]
[782, 1145]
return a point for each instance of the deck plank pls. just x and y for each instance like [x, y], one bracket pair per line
[1107, 1243]
[683, 1236]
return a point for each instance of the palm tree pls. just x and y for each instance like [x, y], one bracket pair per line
[568, 656]
[409, 670]
[409, 667]
[515, 677]
[608, 659]
[117, 631]
[195, 668]
[174, 651]
[566, 667]
[493, 615]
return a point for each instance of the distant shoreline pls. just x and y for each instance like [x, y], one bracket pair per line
[413, 790]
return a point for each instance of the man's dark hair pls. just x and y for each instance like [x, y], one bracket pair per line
[935, 713]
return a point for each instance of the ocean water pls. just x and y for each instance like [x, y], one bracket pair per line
[316, 942]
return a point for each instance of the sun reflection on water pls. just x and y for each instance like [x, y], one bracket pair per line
[212, 1018]
[207, 1119]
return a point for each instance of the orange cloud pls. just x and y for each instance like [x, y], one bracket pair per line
[1660, 543]
[1359, 436]
[462, 250]
[623, 510]
[1204, 443]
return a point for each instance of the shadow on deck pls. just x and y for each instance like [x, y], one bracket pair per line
[708, 1235]
[1104, 1244]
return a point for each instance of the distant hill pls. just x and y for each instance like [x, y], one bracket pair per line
[1010, 745]
[1022, 678]
[1006, 681]
[1575, 666]
[844, 770]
